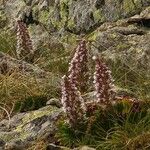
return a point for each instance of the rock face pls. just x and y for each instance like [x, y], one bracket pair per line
[122, 40]
[22, 129]
[126, 45]
[126, 41]
[143, 18]
[74, 15]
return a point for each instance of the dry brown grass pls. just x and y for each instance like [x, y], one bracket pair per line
[17, 87]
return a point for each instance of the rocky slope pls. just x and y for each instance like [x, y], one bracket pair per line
[118, 30]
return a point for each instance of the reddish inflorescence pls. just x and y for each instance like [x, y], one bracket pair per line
[103, 83]
[72, 102]
[24, 43]
[78, 65]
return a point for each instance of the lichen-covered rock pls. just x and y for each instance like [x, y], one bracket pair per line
[27, 127]
[54, 102]
[51, 22]
[143, 19]
[120, 92]
[75, 16]
[125, 43]
[13, 9]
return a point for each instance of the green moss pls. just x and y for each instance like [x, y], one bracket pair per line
[8, 136]
[23, 135]
[122, 46]
[98, 16]
[128, 6]
[7, 41]
[3, 19]
[69, 38]
[113, 36]
[35, 11]
[64, 1]
[71, 24]
[35, 114]
[138, 3]
[64, 11]
[64, 14]
[92, 36]
[44, 16]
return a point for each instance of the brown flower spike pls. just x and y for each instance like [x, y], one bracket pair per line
[24, 44]
[73, 104]
[103, 83]
[78, 66]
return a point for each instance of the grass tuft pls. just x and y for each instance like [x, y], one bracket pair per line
[118, 127]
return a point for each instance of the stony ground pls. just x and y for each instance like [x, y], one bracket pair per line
[120, 31]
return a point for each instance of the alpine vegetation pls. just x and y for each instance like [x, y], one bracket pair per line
[103, 83]
[24, 48]
[73, 103]
[98, 116]
[78, 66]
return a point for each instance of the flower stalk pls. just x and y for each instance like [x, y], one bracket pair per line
[24, 48]
[73, 103]
[103, 83]
[78, 70]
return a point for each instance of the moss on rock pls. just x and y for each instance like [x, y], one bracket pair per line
[44, 16]
[28, 124]
[98, 16]
[129, 6]
[36, 114]
[122, 46]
